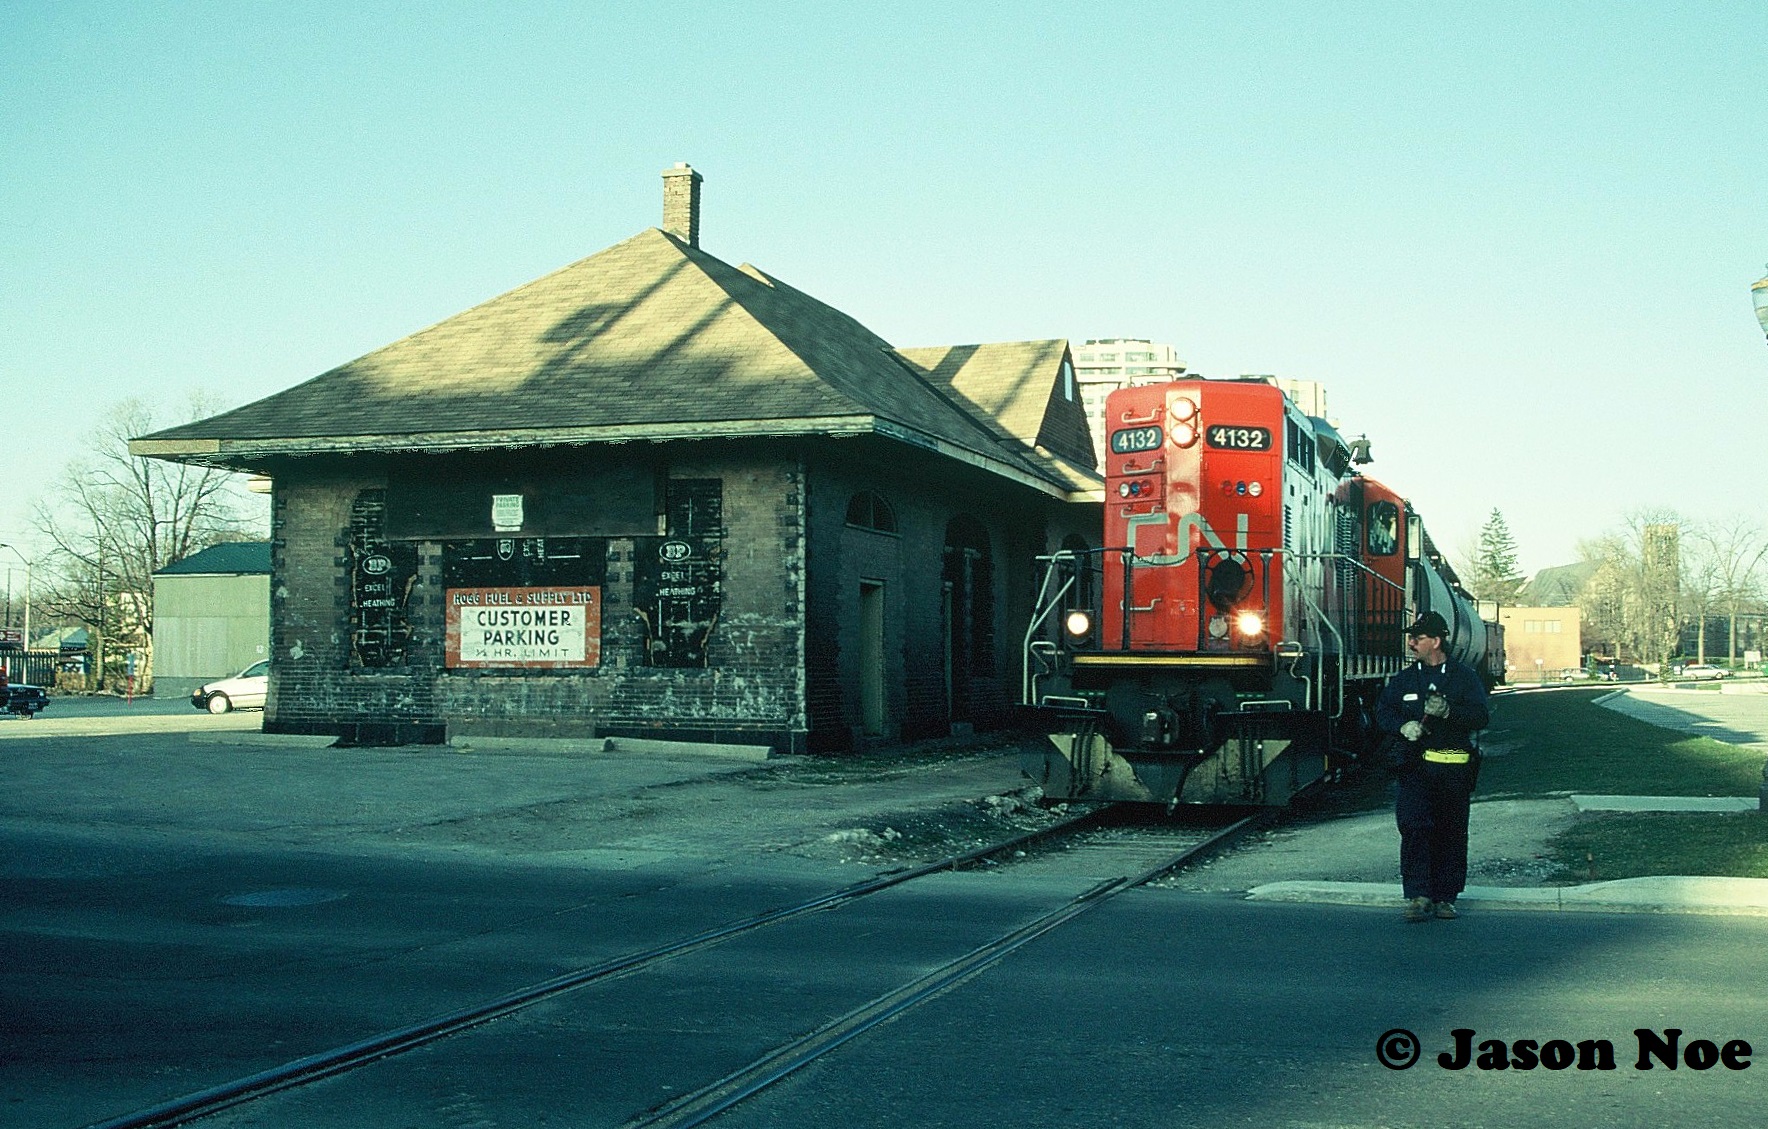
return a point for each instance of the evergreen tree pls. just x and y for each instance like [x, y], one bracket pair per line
[1495, 573]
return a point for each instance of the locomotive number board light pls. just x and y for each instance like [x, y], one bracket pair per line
[1238, 438]
[1130, 440]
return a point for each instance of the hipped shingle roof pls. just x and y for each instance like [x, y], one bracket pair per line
[653, 338]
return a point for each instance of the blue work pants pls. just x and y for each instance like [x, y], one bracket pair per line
[1432, 813]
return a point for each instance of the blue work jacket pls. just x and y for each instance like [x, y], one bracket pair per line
[1402, 700]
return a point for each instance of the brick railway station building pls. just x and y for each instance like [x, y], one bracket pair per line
[653, 494]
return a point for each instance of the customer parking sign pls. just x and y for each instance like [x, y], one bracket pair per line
[523, 627]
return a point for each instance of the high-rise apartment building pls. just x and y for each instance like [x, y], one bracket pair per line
[1103, 365]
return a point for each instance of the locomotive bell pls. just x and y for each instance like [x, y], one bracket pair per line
[1759, 295]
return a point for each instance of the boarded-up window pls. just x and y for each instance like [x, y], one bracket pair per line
[382, 574]
[677, 579]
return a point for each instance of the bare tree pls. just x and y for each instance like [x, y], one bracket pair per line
[1703, 586]
[113, 520]
[1633, 597]
[1733, 549]
[1603, 598]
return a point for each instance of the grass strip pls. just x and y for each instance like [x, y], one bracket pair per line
[1564, 742]
[1640, 844]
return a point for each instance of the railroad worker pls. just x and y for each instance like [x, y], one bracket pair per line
[1430, 712]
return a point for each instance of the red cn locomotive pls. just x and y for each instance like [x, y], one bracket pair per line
[1227, 640]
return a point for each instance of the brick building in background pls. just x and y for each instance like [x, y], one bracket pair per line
[1541, 644]
[654, 494]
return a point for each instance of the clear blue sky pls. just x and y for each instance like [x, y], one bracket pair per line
[1514, 241]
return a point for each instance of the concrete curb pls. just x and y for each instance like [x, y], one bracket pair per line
[584, 746]
[1738, 896]
[1666, 803]
[645, 747]
[615, 746]
[257, 737]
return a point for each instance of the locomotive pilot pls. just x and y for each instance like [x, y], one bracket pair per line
[1430, 712]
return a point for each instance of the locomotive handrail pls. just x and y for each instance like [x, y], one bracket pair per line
[1396, 592]
[1044, 651]
[1320, 657]
[1043, 610]
[1349, 558]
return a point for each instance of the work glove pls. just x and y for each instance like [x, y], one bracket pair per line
[1412, 730]
[1436, 706]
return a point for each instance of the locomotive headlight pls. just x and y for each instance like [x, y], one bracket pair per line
[1183, 434]
[1078, 623]
[1183, 409]
[1250, 623]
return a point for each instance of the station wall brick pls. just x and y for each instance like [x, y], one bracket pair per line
[750, 689]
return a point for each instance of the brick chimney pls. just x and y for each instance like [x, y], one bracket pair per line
[681, 203]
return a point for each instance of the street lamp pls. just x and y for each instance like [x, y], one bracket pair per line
[1759, 295]
[27, 564]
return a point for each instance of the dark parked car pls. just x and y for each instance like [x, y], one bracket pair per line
[25, 700]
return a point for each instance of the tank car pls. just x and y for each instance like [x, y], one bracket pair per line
[1226, 639]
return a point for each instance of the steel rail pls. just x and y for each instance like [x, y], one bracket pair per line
[351, 1056]
[709, 1101]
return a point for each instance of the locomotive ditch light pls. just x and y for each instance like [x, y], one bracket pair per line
[1250, 623]
[1078, 624]
[1218, 627]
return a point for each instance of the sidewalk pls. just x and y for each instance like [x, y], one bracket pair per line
[1657, 894]
[1742, 896]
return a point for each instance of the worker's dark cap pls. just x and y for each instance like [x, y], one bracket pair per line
[1430, 623]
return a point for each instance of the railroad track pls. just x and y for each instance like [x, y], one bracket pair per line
[710, 1101]
[1089, 840]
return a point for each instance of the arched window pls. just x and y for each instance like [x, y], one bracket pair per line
[868, 511]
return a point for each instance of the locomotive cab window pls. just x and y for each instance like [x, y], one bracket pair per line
[1384, 528]
[1299, 445]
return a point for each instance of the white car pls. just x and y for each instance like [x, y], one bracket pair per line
[245, 690]
[1703, 670]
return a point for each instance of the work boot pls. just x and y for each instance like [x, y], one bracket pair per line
[1418, 909]
[1444, 910]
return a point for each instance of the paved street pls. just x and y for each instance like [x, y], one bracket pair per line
[185, 906]
[1735, 718]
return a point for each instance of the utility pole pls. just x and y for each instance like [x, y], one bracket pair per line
[27, 563]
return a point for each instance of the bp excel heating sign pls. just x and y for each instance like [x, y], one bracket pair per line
[524, 627]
